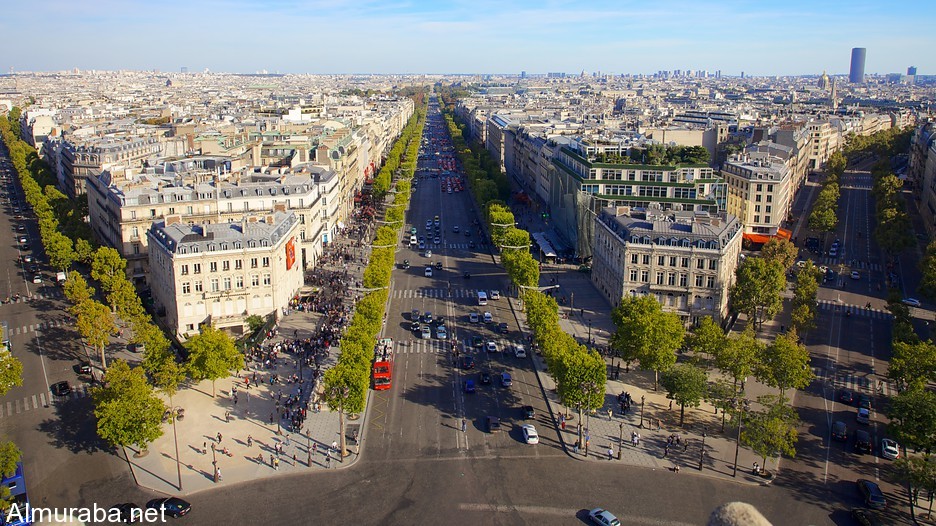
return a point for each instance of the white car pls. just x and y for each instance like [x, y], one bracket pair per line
[519, 351]
[603, 517]
[37, 279]
[441, 333]
[428, 253]
[495, 294]
[428, 272]
[530, 436]
[855, 274]
[473, 317]
[490, 347]
[488, 318]
[913, 302]
[890, 449]
[426, 332]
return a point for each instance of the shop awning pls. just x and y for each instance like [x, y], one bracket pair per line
[544, 245]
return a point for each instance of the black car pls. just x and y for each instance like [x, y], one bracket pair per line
[485, 377]
[471, 244]
[846, 397]
[61, 389]
[863, 441]
[528, 411]
[840, 431]
[493, 423]
[865, 402]
[406, 264]
[171, 506]
[414, 315]
[467, 362]
[129, 512]
[503, 327]
[83, 368]
[427, 317]
[467, 275]
[414, 326]
[872, 494]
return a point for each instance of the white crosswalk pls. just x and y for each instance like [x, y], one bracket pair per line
[435, 293]
[37, 401]
[851, 265]
[856, 383]
[856, 310]
[25, 329]
[434, 346]
[53, 294]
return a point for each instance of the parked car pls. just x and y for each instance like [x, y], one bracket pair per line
[846, 397]
[865, 402]
[520, 351]
[872, 494]
[913, 302]
[863, 416]
[467, 362]
[469, 386]
[840, 431]
[426, 332]
[171, 506]
[603, 517]
[506, 380]
[493, 424]
[473, 317]
[890, 449]
[863, 441]
[495, 294]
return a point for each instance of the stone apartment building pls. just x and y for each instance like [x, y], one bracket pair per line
[760, 193]
[84, 158]
[684, 259]
[222, 273]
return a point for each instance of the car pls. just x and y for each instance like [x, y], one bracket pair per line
[487, 317]
[61, 388]
[473, 317]
[872, 494]
[425, 332]
[890, 449]
[427, 317]
[28, 259]
[865, 402]
[912, 302]
[466, 275]
[471, 244]
[506, 380]
[441, 333]
[866, 517]
[437, 240]
[477, 341]
[833, 252]
[422, 245]
[467, 233]
[436, 220]
[428, 253]
[503, 328]
[493, 424]
[863, 416]
[438, 265]
[414, 315]
[840, 431]
[20, 228]
[603, 517]
[495, 294]
[485, 377]
[823, 269]
[428, 223]
[863, 441]
[855, 274]
[467, 362]
[428, 272]
[469, 386]
[846, 397]
[127, 511]
[528, 411]
[440, 321]
[406, 264]
[490, 347]
[414, 326]
[83, 368]
[530, 436]
[413, 231]
[23, 239]
[520, 351]
[171, 506]
[37, 279]
[455, 229]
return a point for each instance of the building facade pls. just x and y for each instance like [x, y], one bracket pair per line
[686, 260]
[760, 193]
[222, 273]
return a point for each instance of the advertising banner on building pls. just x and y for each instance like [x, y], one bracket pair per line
[290, 253]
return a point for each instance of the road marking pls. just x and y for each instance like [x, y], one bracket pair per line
[17, 406]
[9, 408]
[35, 402]
[42, 399]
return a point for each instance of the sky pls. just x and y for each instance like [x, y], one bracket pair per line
[759, 37]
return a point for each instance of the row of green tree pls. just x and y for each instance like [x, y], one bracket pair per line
[824, 215]
[346, 384]
[660, 155]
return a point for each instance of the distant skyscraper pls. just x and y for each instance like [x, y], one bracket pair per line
[911, 71]
[184, 69]
[856, 73]
[523, 74]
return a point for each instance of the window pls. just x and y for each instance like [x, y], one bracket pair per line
[672, 261]
[214, 284]
[135, 232]
[713, 264]
[683, 280]
[659, 278]
[213, 267]
[757, 219]
[253, 262]
[184, 270]
[661, 260]
[238, 264]
[710, 282]
[646, 259]
[239, 282]
[634, 258]
[136, 248]
[266, 262]
[699, 279]
[266, 279]
[767, 209]
[133, 214]
[633, 275]
[186, 287]
[198, 286]
[700, 264]
[645, 276]
[196, 268]
[152, 212]
[225, 265]
[685, 262]
[254, 280]
[227, 283]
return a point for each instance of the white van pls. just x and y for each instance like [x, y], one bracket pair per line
[413, 240]
[482, 298]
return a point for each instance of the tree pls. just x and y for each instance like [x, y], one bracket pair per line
[771, 432]
[912, 415]
[785, 363]
[106, 265]
[76, 289]
[756, 291]
[254, 323]
[11, 371]
[83, 251]
[913, 365]
[212, 355]
[928, 278]
[707, 338]
[781, 251]
[60, 251]
[722, 394]
[10, 455]
[580, 376]
[686, 384]
[919, 473]
[95, 324]
[345, 389]
[124, 300]
[739, 357]
[128, 411]
[645, 333]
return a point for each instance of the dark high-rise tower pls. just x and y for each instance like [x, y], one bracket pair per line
[856, 73]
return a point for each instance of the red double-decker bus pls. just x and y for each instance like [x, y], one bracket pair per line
[382, 371]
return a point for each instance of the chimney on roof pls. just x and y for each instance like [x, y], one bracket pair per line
[268, 219]
[173, 219]
[279, 207]
[252, 219]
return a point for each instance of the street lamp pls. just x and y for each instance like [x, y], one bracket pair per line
[741, 406]
[642, 400]
[589, 331]
[702, 449]
[278, 418]
[620, 439]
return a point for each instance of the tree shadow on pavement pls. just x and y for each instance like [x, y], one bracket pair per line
[74, 427]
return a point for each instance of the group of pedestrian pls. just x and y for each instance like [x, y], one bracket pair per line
[624, 401]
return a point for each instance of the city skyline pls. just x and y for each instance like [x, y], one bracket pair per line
[344, 36]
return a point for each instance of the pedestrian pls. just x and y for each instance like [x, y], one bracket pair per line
[464, 425]
[204, 448]
[755, 471]
[249, 441]
[276, 463]
[610, 414]
[659, 424]
[218, 470]
[685, 445]
[670, 405]
[334, 445]
[315, 447]
[610, 453]
[328, 462]
[676, 469]
[219, 438]
[665, 450]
